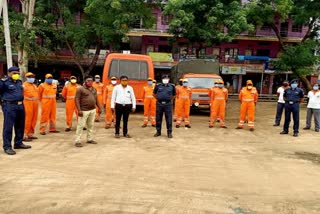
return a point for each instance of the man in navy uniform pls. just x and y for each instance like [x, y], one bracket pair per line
[292, 96]
[11, 93]
[164, 92]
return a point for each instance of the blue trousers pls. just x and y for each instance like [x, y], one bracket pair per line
[14, 117]
[280, 107]
[165, 109]
[295, 110]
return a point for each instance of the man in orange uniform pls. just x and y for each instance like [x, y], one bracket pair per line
[218, 99]
[99, 87]
[107, 94]
[176, 101]
[184, 94]
[31, 103]
[149, 104]
[47, 96]
[248, 97]
[69, 94]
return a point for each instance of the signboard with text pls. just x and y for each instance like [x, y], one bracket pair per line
[233, 70]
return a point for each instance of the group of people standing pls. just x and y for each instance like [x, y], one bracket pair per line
[290, 97]
[20, 104]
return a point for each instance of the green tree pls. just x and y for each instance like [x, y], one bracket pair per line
[300, 59]
[206, 22]
[25, 28]
[102, 23]
[301, 12]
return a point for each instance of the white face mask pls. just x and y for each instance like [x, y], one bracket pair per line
[113, 82]
[165, 81]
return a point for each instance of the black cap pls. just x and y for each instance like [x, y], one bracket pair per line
[165, 76]
[14, 68]
[294, 81]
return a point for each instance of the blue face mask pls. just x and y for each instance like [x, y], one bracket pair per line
[294, 85]
[149, 82]
[185, 84]
[315, 88]
[97, 79]
[30, 80]
[49, 81]
[220, 85]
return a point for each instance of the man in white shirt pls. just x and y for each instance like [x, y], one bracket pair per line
[281, 102]
[313, 108]
[123, 101]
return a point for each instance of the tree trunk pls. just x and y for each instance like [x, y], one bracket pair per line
[23, 54]
[95, 58]
[277, 32]
[306, 84]
[76, 60]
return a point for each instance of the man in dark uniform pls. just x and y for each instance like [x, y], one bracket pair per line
[11, 92]
[292, 96]
[164, 92]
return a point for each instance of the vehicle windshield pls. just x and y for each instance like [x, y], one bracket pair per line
[201, 82]
[134, 69]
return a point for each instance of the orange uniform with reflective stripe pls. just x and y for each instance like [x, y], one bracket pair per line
[248, 99]
[183, 106]
[107, 94]
[31, 104]
[47, 96]
[218, 99]
[69, 94]
[149, 105]
[99, 87]
[176, 103]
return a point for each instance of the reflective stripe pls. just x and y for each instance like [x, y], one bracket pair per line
[49, 96]
[148, 97]
[99, 92]
[219, 98]
[71, 97]
[184, 97]
[31, 98]
[247, 100]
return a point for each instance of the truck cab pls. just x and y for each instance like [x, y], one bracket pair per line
[201, 84]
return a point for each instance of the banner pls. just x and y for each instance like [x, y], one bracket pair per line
[161, 57]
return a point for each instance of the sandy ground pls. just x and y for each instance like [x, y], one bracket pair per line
[200, 170]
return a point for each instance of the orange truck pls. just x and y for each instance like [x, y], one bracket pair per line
[201, 75]
[201, 84]
[138, 68]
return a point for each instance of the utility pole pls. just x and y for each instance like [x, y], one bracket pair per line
[4, 9]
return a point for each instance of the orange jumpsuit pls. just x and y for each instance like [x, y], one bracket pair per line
[69, 94]
[47, 96]
[149, 105]
[176, 103]
[183, 106]
[248, 99]
[107, 94]
[99, 87]
[31, 104]
[218, 99]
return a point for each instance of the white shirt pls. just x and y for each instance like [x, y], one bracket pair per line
[123, 95]
[314, 100]
[280, 91]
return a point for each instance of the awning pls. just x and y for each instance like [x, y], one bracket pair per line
[243, 57]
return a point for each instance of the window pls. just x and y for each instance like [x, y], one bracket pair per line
[296, 28]
[134, 69]
[231, 52]
[265, 27]
[201, 82]
[264, 43]
[165, 19]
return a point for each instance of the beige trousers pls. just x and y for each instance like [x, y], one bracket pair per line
[87, 120]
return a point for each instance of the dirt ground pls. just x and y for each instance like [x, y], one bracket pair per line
[200, 170]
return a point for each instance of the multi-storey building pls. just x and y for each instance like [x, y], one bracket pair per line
[246, 57]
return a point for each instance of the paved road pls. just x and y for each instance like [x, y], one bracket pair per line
[200, 170]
